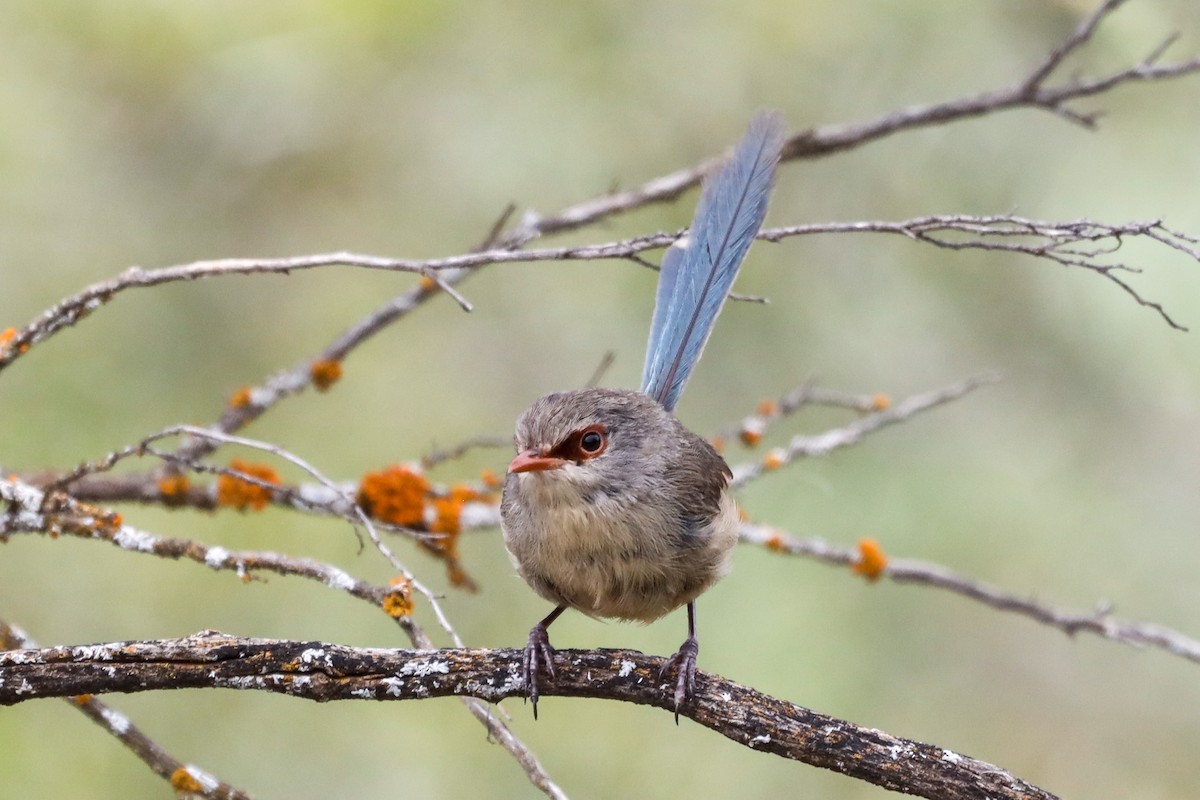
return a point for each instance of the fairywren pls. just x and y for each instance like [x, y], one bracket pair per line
[611, 506]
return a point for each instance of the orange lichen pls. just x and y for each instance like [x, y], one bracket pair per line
[398, 602]
[880, 402]
[718, 444]
[768, 408]
[491, 479]
[173, 488]
[325, 373]
[428, 284]
[775, 543]
[185, 783]
[6, 337]
[774, 459]
[459, 577]
[750, 436]
[395, 494]
[81, 699]
[871, 560]
[447, 525]
[240, 398]
[241, 494]
[448, 509]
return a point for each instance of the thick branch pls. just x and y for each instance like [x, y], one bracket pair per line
[326, 672]
[187, 779]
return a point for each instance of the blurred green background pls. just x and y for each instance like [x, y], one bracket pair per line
[155, 133]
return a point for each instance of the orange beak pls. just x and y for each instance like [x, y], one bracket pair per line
[532, 461]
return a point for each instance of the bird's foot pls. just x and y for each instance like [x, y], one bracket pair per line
[538, 653]
[684, 662]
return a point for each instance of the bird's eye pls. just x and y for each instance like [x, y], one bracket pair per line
[583, 444]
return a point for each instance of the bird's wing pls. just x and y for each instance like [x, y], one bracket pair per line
[698, 271]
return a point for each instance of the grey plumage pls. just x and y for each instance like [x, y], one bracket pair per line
[611, 506]
[634, 534]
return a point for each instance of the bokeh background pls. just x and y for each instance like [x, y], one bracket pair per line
[153, 133]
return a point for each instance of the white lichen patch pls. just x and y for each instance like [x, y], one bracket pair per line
[117, 722]
[339, 579]
[216, 557]
[95, 652]
[133, 539]
[423, 668]
[17, 657]
[627, 668]
[260, 396]
[318, 494]
[207, 782]
[315, 655]
[760, 739]
[363, 693]
[951, 757]
[393, 686]
[478, 515]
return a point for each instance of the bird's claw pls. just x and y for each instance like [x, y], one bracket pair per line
[684, 662]
[538, 653]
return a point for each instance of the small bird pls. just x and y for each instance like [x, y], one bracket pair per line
[611, 506]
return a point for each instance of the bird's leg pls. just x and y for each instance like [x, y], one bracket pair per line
[538, 653]
[684, 662]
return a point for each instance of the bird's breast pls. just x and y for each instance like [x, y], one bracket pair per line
[611, 554]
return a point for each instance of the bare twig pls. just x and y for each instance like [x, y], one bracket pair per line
[441, 455]
[1075, 243]
[325, 672]
[1030, 91]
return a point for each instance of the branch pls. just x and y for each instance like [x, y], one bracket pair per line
[836, 438]
[25, 510]
[1099, 622]
[1030, 92]
[1075, 243]
[326, 672]
[186, 779]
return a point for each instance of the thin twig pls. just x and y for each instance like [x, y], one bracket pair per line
[752, 427]
[833, 439]
[1099, 621]
[1029, 91]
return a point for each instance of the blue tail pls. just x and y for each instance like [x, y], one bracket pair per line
[698, 270]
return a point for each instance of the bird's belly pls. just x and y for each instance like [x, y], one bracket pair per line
[591, 561]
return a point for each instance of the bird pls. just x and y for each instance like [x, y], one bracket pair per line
[611, 506]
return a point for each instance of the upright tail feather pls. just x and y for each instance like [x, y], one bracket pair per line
[698, 270]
